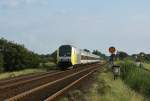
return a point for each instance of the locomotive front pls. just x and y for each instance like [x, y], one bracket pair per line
[64, 55]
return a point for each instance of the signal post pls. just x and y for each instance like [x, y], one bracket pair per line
[115, 68]
[112, 51]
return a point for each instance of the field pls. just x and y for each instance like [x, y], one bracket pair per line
[146, 66]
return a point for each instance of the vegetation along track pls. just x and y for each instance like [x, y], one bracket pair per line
[42, 87]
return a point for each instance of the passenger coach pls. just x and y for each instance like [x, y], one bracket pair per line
[68, 55]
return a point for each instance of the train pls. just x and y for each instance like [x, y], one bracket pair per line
[70, 56]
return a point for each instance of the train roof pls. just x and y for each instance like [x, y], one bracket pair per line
[69, 45]
[83, 52]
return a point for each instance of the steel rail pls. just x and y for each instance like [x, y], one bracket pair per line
[34, 93]
[4, 82]
[8, 82]
[16, 88]
[58, 94]
[28, 80]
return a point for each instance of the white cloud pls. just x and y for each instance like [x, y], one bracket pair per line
[16, 3]
[9, 3]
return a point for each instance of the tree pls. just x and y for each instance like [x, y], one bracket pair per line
[121, 55]
[147, 57]
[54, 56]
[96, 52]
[16, 57]
[142, 56]
[1, 62]
[86, 50]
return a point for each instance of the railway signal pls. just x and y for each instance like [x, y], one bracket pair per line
[115, 68]
[112, 50]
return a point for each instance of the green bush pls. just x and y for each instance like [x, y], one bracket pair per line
[137, 78]
[16, 57]
[1, 62]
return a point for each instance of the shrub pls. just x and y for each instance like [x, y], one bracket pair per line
[16, 57]
[137, 78]
[1, 62]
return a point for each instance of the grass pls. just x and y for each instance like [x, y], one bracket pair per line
[135, 77]
[43, 68]
[146, 66]
[19, 73]
[48, 66]
[106, 89]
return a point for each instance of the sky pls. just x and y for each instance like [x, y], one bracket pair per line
[43, 25]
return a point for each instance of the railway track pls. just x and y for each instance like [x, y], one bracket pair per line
[24, 77]
[45, 86]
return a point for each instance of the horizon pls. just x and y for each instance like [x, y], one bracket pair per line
[68, 44]
[43, 25]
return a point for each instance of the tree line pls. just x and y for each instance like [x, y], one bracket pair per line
[97, 52]
[143, 57]
[16, 57]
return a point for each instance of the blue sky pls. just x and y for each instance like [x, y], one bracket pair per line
[43, 25]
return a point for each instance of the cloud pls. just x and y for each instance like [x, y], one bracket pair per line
[9, 3]
[17, 3]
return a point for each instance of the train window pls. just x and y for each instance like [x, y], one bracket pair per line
[65, 50]
[88, 58]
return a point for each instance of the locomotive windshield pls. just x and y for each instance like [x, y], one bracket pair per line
[65, 50]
